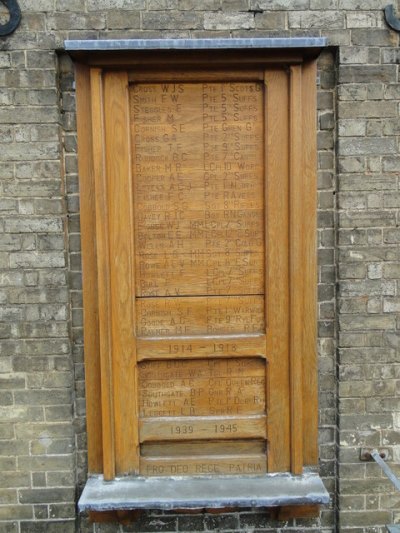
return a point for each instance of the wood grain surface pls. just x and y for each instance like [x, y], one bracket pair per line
[198, 174]
[202, 387]
[192, 347]
[194, 428]
[199, 297]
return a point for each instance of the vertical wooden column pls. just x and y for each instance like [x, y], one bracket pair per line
[104, 284]
[296, 271]
[119, 208]
[115, 290]
[309, 228]
[89, 266]
[277, 267]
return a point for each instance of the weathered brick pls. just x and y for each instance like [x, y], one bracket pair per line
[391, 163]
[368, 287]
[32, 224]
[270, 21]
[69, 5]
[352, 200]
[367, 218]
[352, 127]
[97, 5]
[279, 4]
[391, 270]
[41, 295]
[378, 37]
[391, 236]
[316, 19]
[365, 518]
[228, 21]
[46, 495]
[359, 55]
[170, 20]
[376, 388]
[375, 271]
[366, 423]
[367, 109]
[353, 92]
[227, 521]
[154, 5]
[67, 526]
[72, 21]
[351, 164]
[16, 512]
[362, 20]
[365, 322]
[123, 19]
[367, 74]
[37, 259]
[352, 271]
[47, 242]
[146, 524]
[391, 305]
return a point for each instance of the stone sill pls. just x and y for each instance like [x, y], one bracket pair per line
[275, 43]
[166, 493]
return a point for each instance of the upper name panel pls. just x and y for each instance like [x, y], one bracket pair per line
[198, 170]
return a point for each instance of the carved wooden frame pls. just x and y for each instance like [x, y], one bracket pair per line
[101, 87]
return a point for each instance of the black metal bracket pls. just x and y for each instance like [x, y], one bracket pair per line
[391, 19]
[15, 17]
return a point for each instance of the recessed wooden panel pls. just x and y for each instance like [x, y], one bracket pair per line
[198, 169]
[194, 347]
[203, 273]
[201, 466]
[226, 387]
[199, 194]
[208, 315]
[189, 428]
[177, 449]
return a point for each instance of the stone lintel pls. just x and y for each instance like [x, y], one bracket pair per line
[273, 43]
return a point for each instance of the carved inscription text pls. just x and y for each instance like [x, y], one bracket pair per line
[199, 197]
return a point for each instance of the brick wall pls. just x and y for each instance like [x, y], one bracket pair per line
[42, 406]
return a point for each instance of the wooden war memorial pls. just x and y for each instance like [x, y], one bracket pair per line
[197, 174]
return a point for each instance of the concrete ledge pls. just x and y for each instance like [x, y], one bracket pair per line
[198, 492]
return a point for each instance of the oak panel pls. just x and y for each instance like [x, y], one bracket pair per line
[103, 272]
[296, 272]
[277, 260]
[225, 447]
[193, 347]
[198, 173]
[202, 387]
[216, 269]
[89, 268]
[205, 466]
[190, 428]
[202, 75]
[208, 315]
[310, 364]
[208, 273]
[121, 249]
